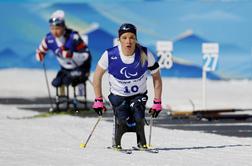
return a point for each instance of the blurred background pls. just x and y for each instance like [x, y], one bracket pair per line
[186, 23]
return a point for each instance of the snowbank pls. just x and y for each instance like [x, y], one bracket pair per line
[177, 93]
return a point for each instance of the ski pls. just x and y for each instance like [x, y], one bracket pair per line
[150, 150]
[125, 151]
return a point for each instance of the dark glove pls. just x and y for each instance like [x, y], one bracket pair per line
[40, 55]
[98, 106]
[62, 52]
[156, 108]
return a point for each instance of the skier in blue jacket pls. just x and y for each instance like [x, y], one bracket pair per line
[70, 50]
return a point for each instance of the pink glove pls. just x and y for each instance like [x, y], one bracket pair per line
[156, 108]
[98, 106]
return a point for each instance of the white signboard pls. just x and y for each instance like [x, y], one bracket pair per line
[210, 48]
[164, 46]
[210, 56]
[164, 49]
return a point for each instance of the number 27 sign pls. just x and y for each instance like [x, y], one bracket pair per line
[210, 56]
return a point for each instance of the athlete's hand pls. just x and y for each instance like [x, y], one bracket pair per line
[40, 55]
[62, 52]
[156, 108]
[98, 106]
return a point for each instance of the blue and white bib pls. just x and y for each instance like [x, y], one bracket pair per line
[126, 79]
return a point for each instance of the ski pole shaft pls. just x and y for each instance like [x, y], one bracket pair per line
[83, 145]
[111, 107]
[151, 123]
[47, 84]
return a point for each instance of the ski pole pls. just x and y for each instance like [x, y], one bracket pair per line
[48, 88]
[83, 145]
[151, 123]
[106, 101]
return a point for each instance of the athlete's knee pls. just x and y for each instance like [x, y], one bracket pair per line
[138, 106]
[119, 104]
[138, 103]
[57, 82]
[121, 113]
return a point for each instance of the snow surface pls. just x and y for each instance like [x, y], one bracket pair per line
[55, 140]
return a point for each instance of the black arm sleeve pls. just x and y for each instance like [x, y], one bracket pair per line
[154, 67]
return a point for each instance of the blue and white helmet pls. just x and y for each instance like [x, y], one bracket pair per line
[57, 18]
